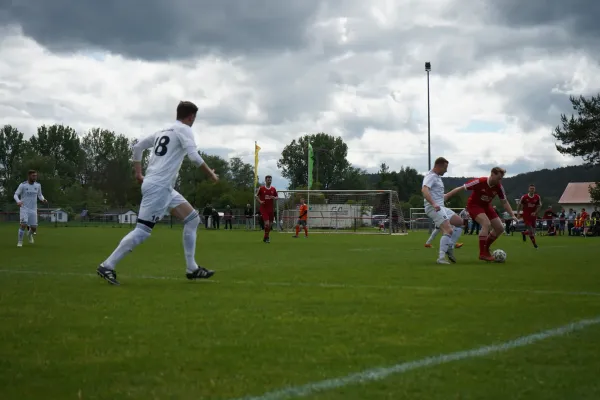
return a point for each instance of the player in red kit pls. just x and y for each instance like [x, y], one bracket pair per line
[266, 195]
[479, 205]
[530, 203]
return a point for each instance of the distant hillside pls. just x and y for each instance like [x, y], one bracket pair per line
[550, 183]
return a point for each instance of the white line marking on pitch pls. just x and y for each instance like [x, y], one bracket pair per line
[377, 374]
[320, 284]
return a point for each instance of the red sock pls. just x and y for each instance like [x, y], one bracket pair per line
[532, 237]
[267, 230]
[490, 239]
[482, 243]
[305, 231]
[297, 229]
[526, 233]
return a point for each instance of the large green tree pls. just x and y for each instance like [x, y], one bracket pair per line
[241, 174]
[330, 163]
[12, 150]
[580, 134]
[61, 144]
[108, 167]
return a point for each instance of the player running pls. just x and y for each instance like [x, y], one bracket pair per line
[169, 148]
[302, 219]
[530, 203]
[444, 218]
[265, 195]
[483, 191]
[26, 196]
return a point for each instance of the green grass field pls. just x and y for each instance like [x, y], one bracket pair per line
[292, 313]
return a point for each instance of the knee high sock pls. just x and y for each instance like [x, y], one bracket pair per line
[445, 243]
[456, 235]
[190, 227]
[482, 243]
[490, 240]
[127, 244]
[532, 237]
[434, 233]
[21, 234]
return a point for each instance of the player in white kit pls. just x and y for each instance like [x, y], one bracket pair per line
[169, 148]
[26, 196]
[444, 218]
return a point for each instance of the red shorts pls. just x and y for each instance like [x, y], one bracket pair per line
[475, 210]
[529, 221]
[267, 216]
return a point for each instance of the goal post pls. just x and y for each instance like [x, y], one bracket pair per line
[342, 211]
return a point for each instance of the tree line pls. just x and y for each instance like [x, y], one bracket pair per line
[94, 171]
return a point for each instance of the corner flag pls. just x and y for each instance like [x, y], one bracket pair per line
[256, 150]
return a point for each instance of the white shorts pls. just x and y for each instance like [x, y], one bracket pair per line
[439, 217]
[156, 201]
[28, 216]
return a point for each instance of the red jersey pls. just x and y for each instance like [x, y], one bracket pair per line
[584, 215]
[482, 193]
[530, 205]
[266, 194]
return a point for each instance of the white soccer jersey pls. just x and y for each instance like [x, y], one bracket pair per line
[436, 188]
[29, 193]
[169, 148]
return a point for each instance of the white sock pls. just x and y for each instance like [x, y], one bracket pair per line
[190, 227]
[445, 242]
[21, 234]
[127, 244]
[456, 235]
[434, 233]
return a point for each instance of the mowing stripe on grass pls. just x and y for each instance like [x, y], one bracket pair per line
[376, 374]
[324, 285]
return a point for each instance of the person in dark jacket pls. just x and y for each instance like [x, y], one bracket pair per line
[248, 214]
[228, 217]
[215, 219]
[206, 213]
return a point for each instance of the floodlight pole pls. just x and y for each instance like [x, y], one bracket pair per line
[427, 70]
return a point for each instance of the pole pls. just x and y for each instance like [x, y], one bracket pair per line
[427, 69]
[391, 214]
[428, 125]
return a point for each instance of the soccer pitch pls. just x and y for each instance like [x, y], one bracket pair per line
[332, 317]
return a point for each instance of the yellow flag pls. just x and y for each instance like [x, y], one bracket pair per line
[256, 150]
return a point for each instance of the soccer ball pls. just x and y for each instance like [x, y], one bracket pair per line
[499, 255]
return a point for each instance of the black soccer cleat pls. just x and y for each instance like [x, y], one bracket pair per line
[200, 273]
[535, 246]
[109, 275]
[524, 237]
[267, 240]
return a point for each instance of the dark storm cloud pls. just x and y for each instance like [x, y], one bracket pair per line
[580, 17]
[158, 29]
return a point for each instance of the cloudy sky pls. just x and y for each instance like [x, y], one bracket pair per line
[273, 70]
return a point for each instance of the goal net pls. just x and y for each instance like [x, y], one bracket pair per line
[342, 211]
[419, 220]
